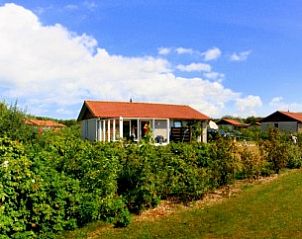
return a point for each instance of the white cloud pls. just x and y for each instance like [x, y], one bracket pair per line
[240, 56]
[279, 103]
[214, 75]
[52, 70]
[276, 100]
[182, 50]
[164, 51]
[90, 5]
[71, 7]
[211, 54]
[248, 104]
[194, 67]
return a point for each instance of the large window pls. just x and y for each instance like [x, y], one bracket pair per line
[160, 124]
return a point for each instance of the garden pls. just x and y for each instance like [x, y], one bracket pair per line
[55, 181]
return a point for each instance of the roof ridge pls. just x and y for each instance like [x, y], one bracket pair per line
[127, 102]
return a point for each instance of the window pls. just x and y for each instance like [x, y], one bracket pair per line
[160, 124]
[276, 125]
[177, 124]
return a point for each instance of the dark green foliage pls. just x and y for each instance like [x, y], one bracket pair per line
[276, 150]
[35, 197]
[12, 123]
[56, 181]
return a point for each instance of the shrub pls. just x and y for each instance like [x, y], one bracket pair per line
[36, 199]
[222, 166]
[275, 150]
[12, 123]
[251, 160]
[294, 156]
[138, 180]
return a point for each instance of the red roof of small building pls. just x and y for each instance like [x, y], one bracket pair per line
[107, 109]
[44, 123]
[296, 116]
[293, 115]
[232, 122]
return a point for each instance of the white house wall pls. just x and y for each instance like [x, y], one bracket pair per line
[204, 131]
[282, 125]
[89, 129]
[161, 129]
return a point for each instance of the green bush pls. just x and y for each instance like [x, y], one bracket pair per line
[35, 198]
[275, 150]
[12, 123]
[58, 182]
[294, 156]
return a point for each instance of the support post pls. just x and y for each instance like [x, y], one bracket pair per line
[104, 130]
[153, 128]
[130, 128]
[99, 130]
[138, 130]
[108, 130]
[121, 127]
[168, 131]
[204, 131]
[113, 137]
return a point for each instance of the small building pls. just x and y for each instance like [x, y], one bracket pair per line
[284, 121]
[231, 124]
[111, 121]
[42, 125]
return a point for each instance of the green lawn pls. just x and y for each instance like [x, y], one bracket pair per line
[269, 210]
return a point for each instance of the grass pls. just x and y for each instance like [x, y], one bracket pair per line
[267, 210]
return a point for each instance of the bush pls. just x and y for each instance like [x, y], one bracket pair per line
[294, 156]
[12, 123]
[58, 182]
[35, 197]
[275, 150]
[252, 164]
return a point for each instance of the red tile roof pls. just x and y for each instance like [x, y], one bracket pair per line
[232, 122]
[44, 123]
[106, 109]
[293, 115]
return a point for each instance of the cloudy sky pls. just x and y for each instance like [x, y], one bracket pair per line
[233, 57]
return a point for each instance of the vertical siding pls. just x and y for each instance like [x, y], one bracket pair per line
[291, 126]
[83, 129]
[89, 129]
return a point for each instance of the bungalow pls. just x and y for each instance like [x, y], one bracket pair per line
[111, 121]
[231, 124]
[285, 121]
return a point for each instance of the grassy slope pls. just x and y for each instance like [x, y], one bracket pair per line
[271, 210]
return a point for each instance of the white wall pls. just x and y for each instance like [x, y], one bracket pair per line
[204, 132]
[89, 129]
[160, 129]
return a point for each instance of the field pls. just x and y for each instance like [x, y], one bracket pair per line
[265, 209]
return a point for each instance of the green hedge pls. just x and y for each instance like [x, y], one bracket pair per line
[56, 181]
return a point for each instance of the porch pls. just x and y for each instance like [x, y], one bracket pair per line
[133, 129]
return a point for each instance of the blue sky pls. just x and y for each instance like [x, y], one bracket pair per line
[222, 57]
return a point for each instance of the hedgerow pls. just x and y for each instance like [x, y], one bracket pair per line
[55, 181]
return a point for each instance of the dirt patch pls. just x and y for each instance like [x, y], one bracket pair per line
[167, 207]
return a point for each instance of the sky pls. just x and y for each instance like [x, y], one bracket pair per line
[238, 58]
